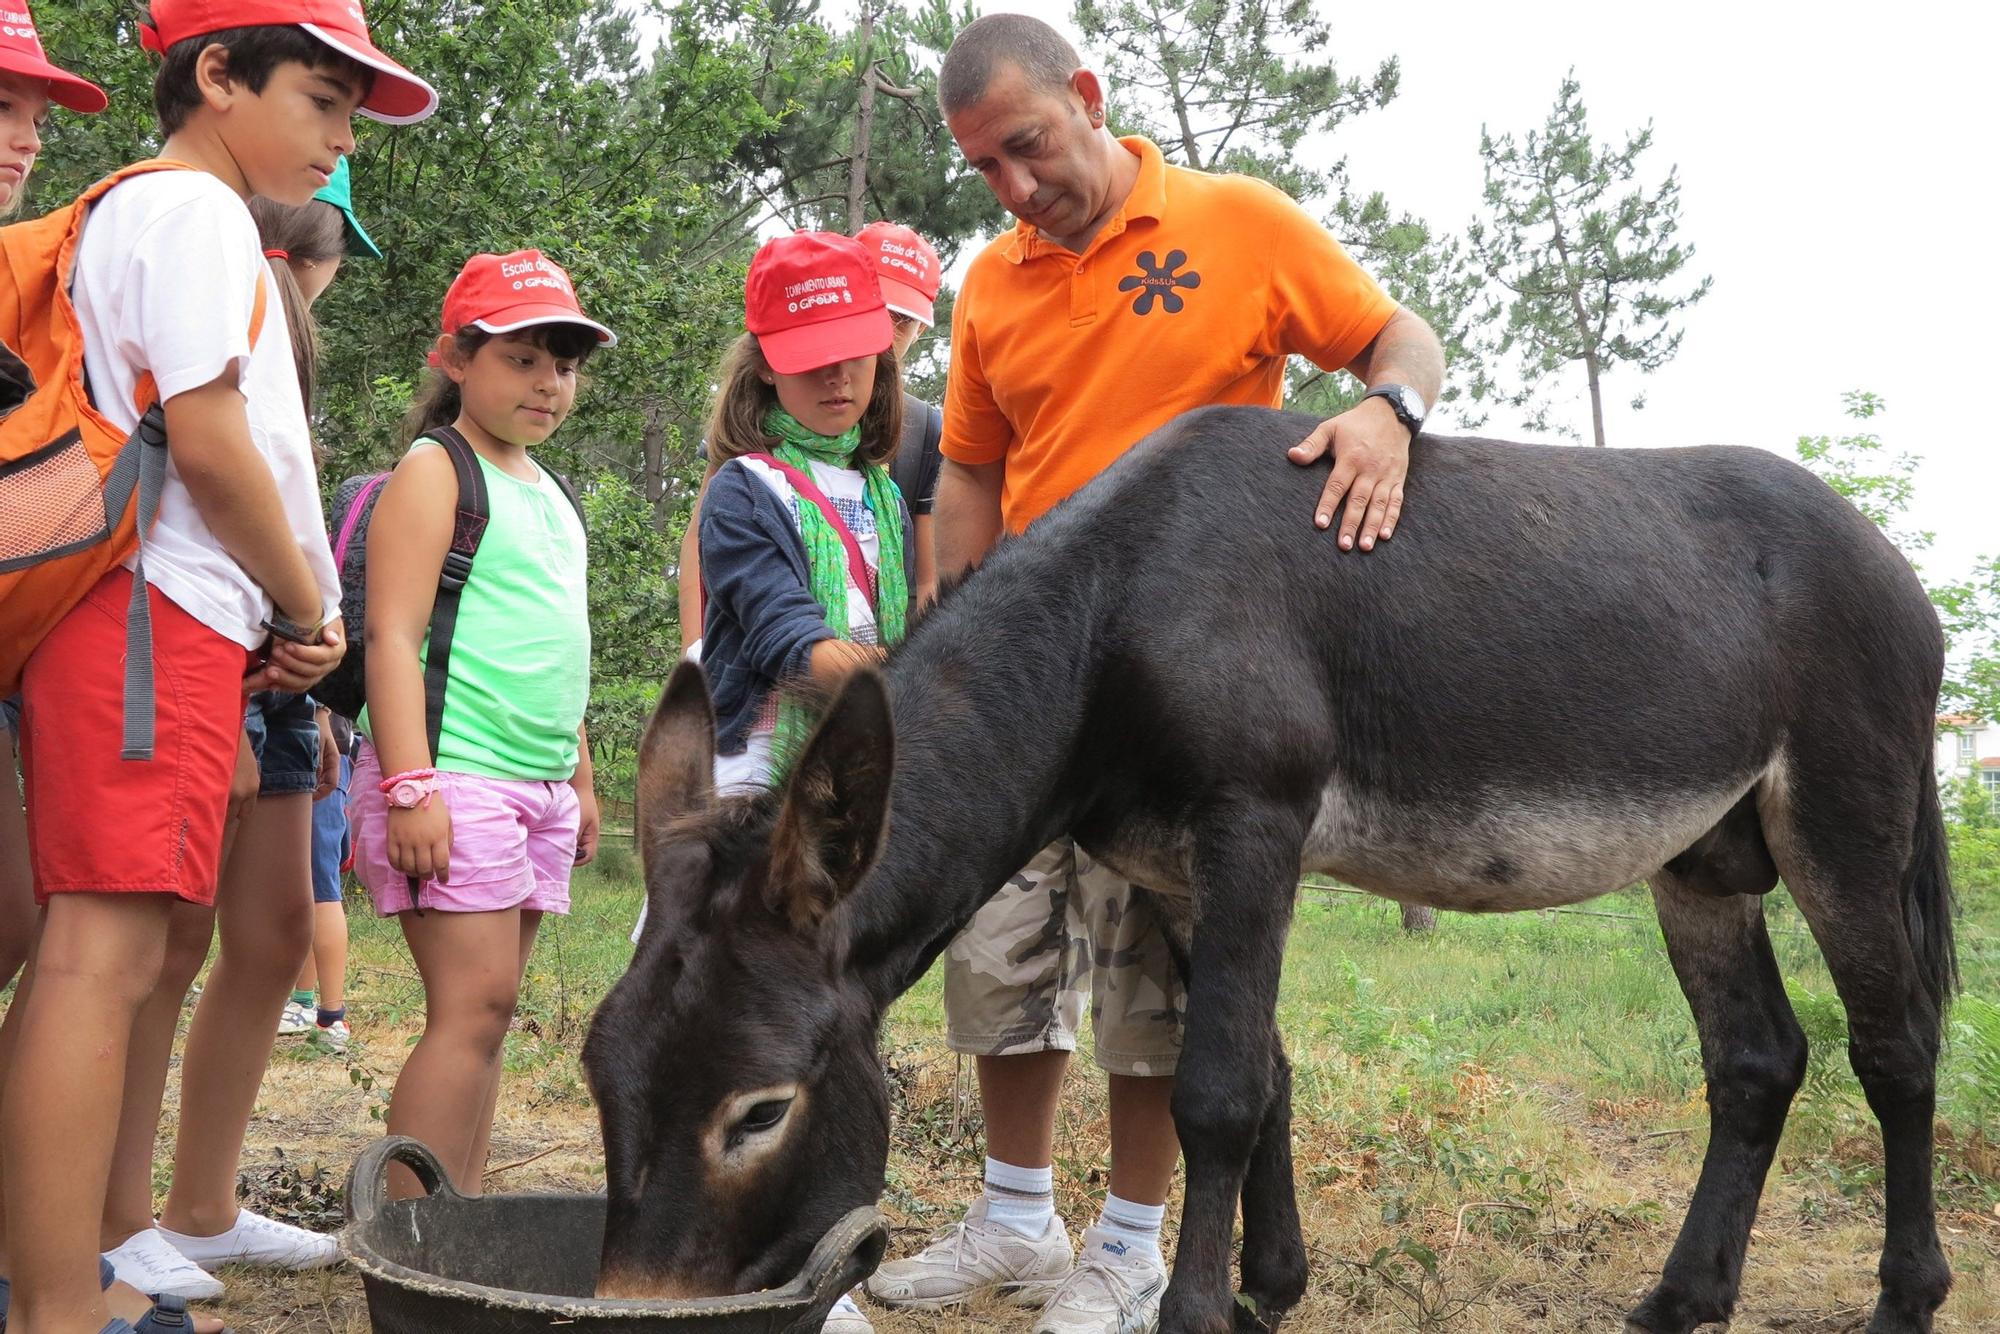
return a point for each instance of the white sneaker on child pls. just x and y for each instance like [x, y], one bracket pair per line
[257, 1240]
[334, 1036]
[846, 1318]
[149, 1262]
[295, 1019]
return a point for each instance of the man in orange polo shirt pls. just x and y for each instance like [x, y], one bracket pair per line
[1131, 291]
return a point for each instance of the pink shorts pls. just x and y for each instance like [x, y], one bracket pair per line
[513, 843]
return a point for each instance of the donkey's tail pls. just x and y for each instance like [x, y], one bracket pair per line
[1928, 904]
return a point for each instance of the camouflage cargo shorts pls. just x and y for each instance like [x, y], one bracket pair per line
[1062, 929]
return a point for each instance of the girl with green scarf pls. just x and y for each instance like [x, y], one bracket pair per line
[805, 546]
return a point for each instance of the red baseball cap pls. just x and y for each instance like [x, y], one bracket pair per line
[398, 97]
[812, 299]
[908, 268]
[21, 53]
[506, 293]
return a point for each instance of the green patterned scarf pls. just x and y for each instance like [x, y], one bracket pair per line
[826, 558]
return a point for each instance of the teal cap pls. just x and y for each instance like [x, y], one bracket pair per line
[339, 192]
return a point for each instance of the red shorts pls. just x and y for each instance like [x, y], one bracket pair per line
[101, 825]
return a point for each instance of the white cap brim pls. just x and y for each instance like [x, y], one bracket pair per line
[421, 99]
[605, 338]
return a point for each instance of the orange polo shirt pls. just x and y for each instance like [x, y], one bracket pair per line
[1194, 294]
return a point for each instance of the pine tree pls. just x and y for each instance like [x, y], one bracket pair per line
[1590, 263]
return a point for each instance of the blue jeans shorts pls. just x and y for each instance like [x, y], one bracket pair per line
[330, 844]
[284, 736]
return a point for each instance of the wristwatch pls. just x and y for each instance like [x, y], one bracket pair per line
[278, 626]
[1407, 402]
[409, 793]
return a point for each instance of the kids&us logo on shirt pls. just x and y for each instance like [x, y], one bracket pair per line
[537, 272]
[828, 290]
[1159, 282]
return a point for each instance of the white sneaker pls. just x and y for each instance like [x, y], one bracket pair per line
[334, 1036]
[846, 1318]
[973, 1258]
[294, 1020]
[149, 1262]
[1114, 1289]
[257, 1240]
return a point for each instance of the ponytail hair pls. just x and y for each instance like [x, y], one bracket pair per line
[438, 402]
[309, 233]
[743, 399]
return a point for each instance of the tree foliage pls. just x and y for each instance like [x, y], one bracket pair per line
[1588, 255]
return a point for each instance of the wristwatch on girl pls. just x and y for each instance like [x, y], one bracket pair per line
[411, 791]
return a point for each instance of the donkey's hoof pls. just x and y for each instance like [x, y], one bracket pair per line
[1253, 1318]
[1896, 1319]
[1668, 1312]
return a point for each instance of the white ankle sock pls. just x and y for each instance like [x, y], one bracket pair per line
[1137, 1225]
[1020, 1199]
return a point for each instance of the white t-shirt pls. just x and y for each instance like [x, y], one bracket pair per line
[166, 281]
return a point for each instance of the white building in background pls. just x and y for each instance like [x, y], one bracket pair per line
[1969, 748]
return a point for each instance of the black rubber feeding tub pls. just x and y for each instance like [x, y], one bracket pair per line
[509, 1264]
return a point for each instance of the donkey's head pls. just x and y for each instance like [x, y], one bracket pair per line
[734, 1065]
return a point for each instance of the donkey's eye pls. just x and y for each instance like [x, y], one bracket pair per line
[764, 1115]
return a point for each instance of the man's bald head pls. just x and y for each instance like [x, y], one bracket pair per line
[986, 45]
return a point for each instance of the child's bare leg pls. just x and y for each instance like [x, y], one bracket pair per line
[482, 1139]
[471, 968]
[18, 913]
[64, 1071]
[263, 912]
[326, 970]
[128, 1198]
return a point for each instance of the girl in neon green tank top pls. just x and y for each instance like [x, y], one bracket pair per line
[470, 846]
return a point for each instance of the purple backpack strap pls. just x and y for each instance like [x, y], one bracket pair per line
[857, 564]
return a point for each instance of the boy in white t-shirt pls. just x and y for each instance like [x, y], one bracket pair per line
[256, 97]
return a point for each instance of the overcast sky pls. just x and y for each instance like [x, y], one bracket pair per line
[1837, 169]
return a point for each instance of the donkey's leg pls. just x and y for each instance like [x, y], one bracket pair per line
[1892, 1043]
[1246, 864]
[1275, 1268]
[1754, 1055]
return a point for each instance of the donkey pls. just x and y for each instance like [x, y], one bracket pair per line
[1572, 670]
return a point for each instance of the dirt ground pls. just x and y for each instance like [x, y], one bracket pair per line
[1573, 1257]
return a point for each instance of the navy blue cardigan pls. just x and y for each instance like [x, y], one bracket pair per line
[761, 619]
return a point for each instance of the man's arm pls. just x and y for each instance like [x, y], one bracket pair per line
[967, 513]
[1370, 445]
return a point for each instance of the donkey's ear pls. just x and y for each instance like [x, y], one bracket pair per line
[676, 756]
[836, 811]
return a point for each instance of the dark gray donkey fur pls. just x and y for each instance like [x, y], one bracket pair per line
[1572, 669]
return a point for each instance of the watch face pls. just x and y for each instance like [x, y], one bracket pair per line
[1407, 400]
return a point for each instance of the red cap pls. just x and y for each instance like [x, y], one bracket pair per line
[21, 53]
[812, 299]
[398, 97]
[505, 293]
[908, 268]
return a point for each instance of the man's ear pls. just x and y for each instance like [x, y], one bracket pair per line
[1089, 88]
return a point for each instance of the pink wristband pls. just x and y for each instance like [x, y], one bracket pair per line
[409, 776]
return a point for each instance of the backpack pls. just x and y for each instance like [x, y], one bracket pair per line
[345, 689]
[77, 494]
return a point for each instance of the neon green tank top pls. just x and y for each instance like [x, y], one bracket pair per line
[520, 656]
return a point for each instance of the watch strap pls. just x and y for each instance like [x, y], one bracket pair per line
[1397, 396]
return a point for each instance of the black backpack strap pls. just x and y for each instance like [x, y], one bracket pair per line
[468, 527]
[570, 492]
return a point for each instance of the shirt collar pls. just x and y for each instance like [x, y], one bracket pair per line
[1147, 200]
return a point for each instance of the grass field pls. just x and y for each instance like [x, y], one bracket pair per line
[1497, 1127]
